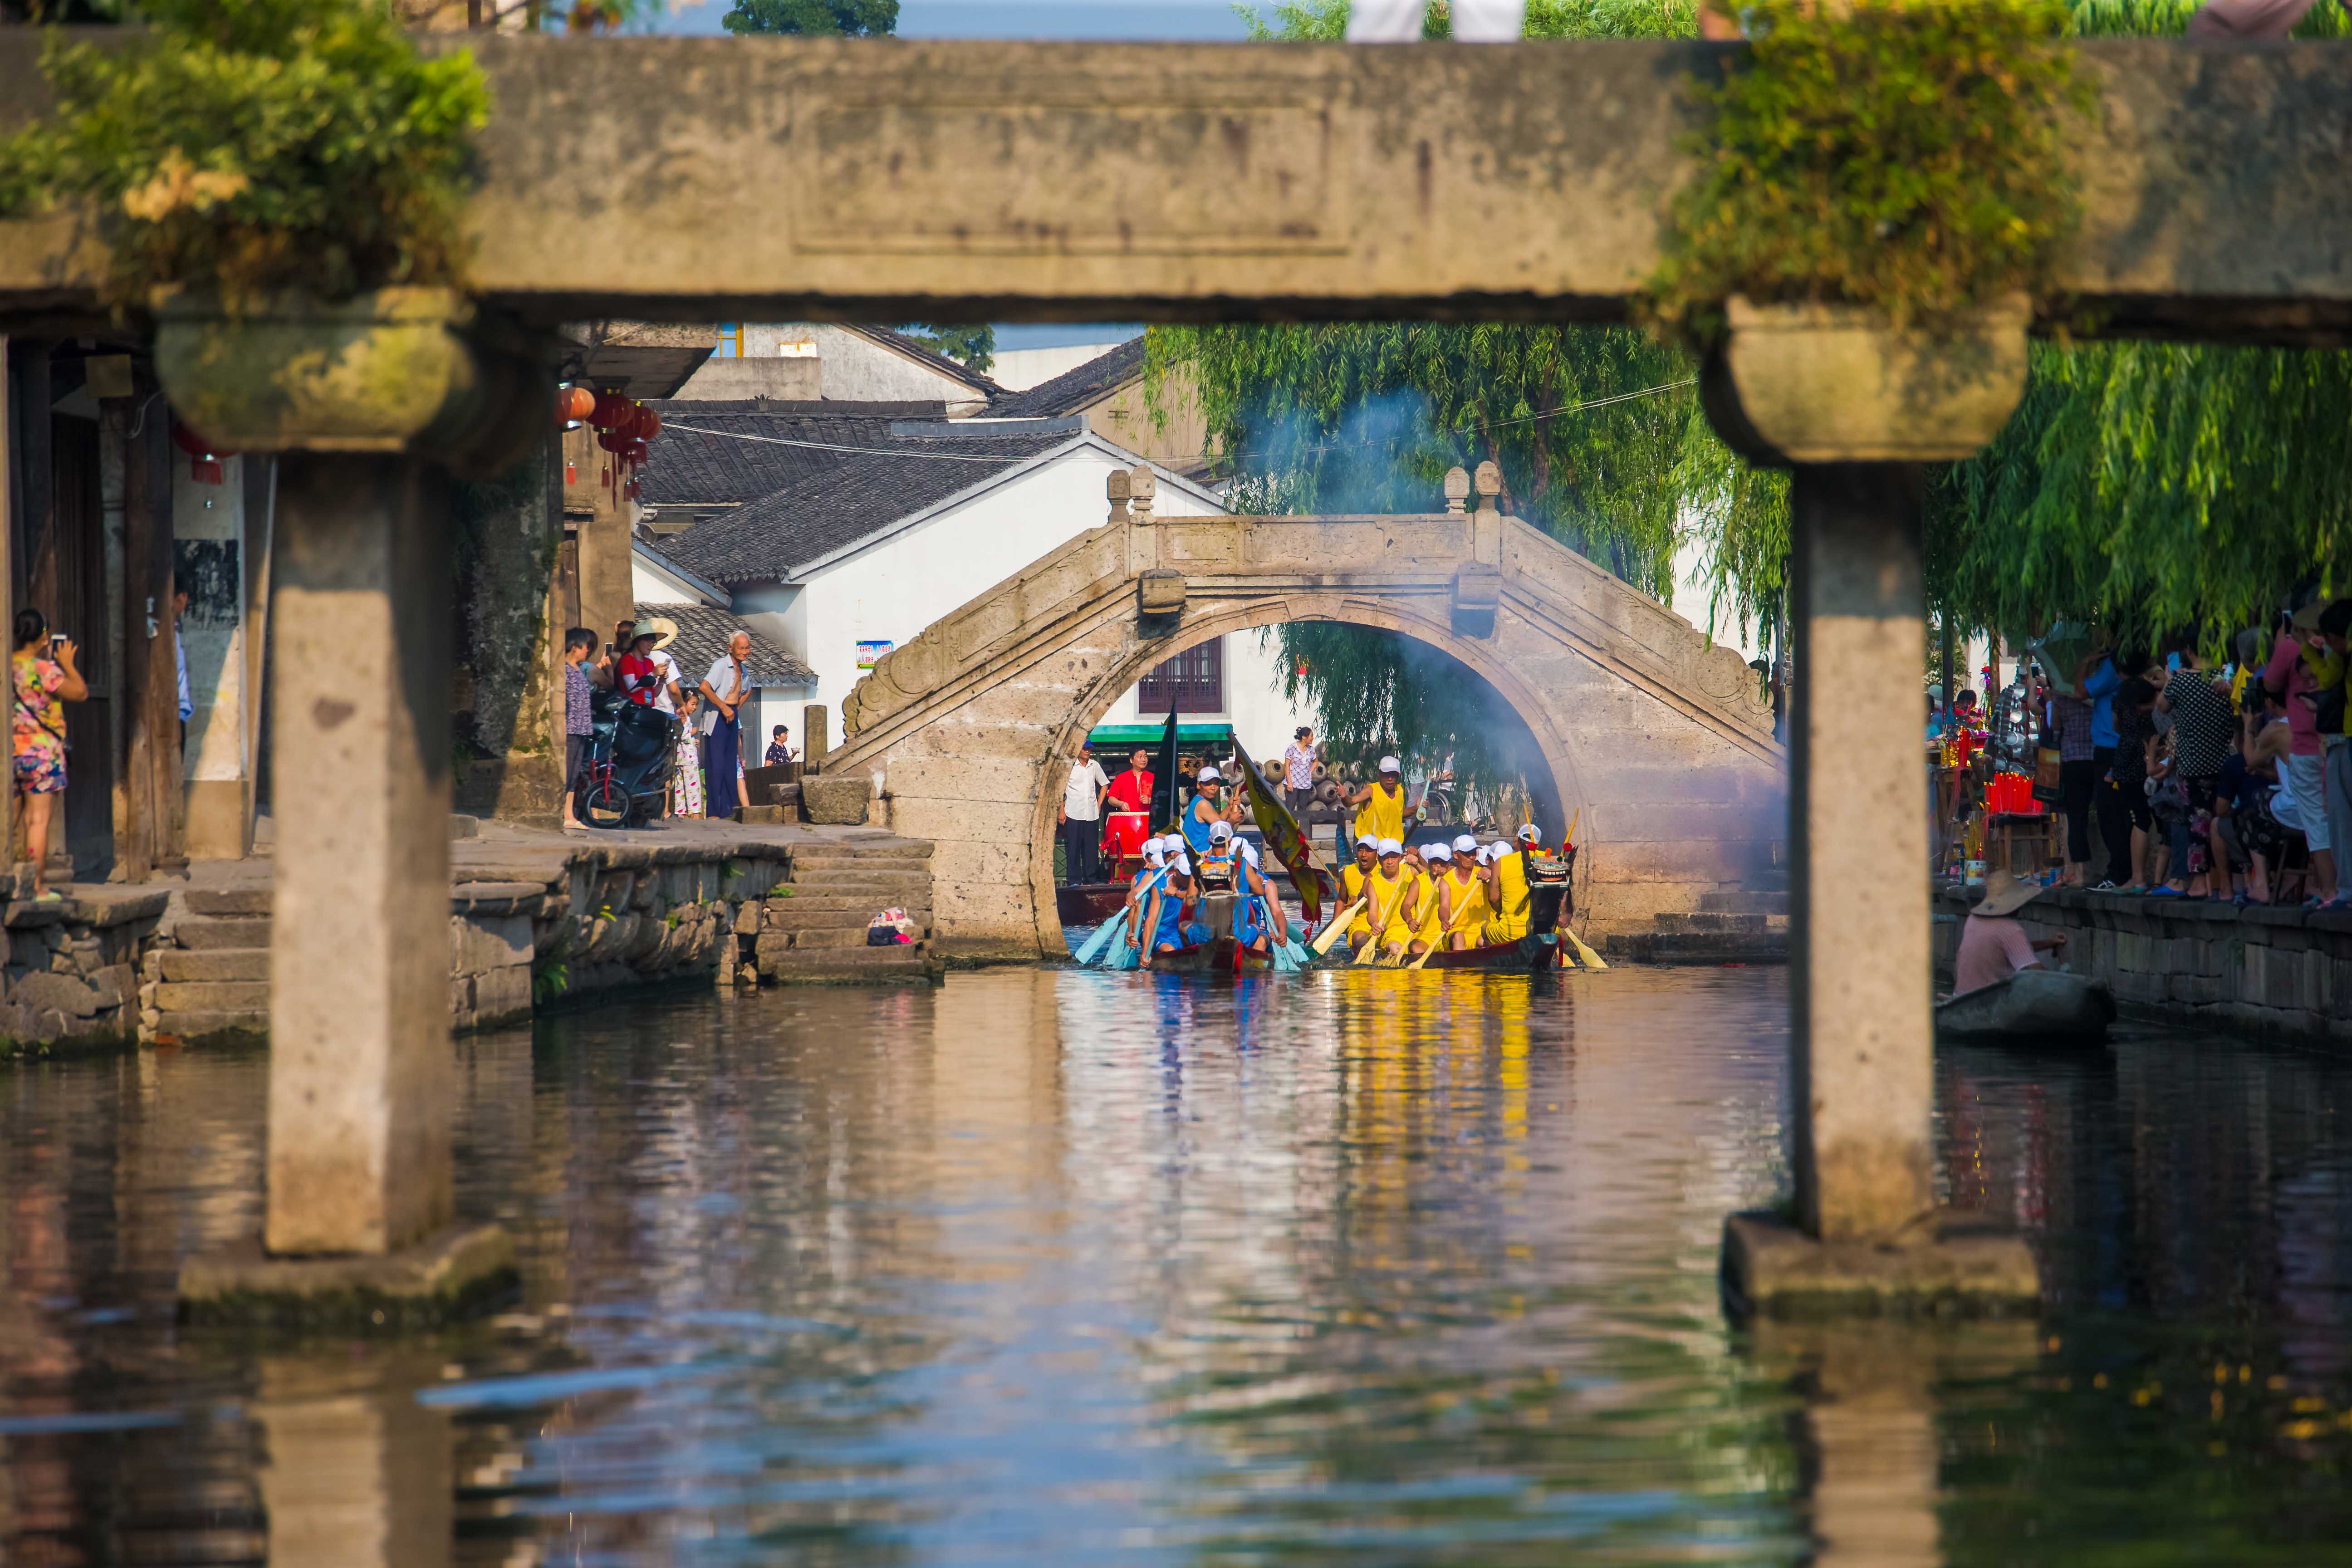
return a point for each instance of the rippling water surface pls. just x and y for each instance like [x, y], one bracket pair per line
[1056, 1267]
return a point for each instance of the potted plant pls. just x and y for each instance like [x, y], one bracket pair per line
[281, 183]
[1881, 198]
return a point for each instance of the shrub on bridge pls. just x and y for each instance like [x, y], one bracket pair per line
[251, 147]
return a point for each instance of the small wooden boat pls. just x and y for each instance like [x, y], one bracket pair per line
[1090, 903]
[2033, 1003]
[1220, 953]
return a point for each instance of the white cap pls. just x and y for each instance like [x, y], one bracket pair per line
[1528, 832]
[1390, 846]
[1372, 838]
[1210, 776]
[1391, 765]
[1152, 851]
[1220, 830]
[1173, 843]
[1249, 851]
[1435, 852]
[1183, 865]
[1493, 852]
[1466, 845]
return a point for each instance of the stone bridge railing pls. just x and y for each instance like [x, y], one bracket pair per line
[1660, 740]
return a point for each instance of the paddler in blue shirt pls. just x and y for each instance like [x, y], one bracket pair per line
[1204, 812]
[1169, 912]
[1147, 877]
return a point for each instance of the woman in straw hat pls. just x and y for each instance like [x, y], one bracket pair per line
[1993, 943]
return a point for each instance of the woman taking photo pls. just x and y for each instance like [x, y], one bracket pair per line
[45, 681]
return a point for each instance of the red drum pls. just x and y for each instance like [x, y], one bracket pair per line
[1123, 838]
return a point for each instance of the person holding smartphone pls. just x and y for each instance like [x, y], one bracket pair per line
[45, 680]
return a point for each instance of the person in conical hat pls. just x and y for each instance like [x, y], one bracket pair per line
[1994, 944]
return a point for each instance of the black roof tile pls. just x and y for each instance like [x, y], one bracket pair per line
[1073, 389]
[687, 465]
[854, 498]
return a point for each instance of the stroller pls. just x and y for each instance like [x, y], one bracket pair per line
[631, 751]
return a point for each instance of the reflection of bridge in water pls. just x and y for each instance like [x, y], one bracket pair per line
[1661, 740]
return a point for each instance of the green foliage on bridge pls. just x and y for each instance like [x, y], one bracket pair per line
[259, 146]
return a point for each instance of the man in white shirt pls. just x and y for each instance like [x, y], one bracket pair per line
[1080, 817]
[725, 691]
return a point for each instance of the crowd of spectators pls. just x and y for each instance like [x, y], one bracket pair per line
[2230, 782]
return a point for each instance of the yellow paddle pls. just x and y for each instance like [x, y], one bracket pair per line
[1336, 929]
[1379, 923]
[1591, 959]
[1449, 930]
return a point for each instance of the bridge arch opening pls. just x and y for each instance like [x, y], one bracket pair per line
[1536, 747]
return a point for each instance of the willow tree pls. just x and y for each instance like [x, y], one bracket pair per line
[2152, 487]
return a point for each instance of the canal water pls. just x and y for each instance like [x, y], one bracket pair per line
[1052, 1267]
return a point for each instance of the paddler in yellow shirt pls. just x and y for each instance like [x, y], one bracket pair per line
[1353, 879]
[1429, 921]
[1463, 906]
[1395, 890]
[1381, 804]
[1506, 888]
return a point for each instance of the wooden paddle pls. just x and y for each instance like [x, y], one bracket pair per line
[1451, 930]
[1337, 929]
[1379, 923]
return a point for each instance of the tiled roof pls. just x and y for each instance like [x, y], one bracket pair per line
[858, 497]
[685, 467]
[1073, 389]
[703, 634]
[935, 360]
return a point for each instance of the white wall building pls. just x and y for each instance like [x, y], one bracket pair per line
[797, 361]
[858, 559]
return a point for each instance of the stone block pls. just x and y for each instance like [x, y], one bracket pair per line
[63, 994]
[1962, 1265]
[839, 801]
[479, 943]
[245, 899]
[212, 995]
[746, 919]
[231, 964]
[454, 1273]
[230, 931]
[502, 995]
[115, 984]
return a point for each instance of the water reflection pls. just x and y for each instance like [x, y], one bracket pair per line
[1065, 1267]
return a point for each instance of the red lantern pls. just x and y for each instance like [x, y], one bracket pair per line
[610, 440]
[574, 403]
[634, 452]
[648, 423]
[631, 490]
[204, 457]
[612, 411]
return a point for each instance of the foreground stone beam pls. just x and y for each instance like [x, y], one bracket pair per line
[1119, 182]
[1865, 1233]
[361, 1079]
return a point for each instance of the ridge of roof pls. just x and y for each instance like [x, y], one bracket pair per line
[813, 407]
[932, 357]
[1074, 388]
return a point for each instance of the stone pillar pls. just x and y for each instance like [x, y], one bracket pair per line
[1862, 1024]
[607, 580]
[815, 744]
[360, 1074]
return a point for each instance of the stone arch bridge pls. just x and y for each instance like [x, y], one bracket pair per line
[1658, 738]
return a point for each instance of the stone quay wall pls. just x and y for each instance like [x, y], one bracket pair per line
[2281, 974]
[537, 922]
[73, 966]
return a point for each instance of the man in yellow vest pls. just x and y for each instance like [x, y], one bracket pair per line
[1506, 888]
[1354, 878]
[1462, 898]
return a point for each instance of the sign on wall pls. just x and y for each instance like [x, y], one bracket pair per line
[869, 653]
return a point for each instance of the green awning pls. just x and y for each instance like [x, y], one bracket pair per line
[1127, 737]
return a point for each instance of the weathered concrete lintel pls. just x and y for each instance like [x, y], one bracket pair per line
[1001, 181]
[452, 1273]
[1953, 1265]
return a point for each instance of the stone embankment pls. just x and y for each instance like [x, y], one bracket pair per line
[1748, 924]
[536, 920]
[2284, 973]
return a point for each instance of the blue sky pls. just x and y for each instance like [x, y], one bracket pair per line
[1198, 20]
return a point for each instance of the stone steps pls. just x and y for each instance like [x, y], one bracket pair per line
[186, 1028]
[226, 931]
[1696, 947]
[1745, 901]
[1708, 921]
[217, 964]
[846, 966]
[833, 903]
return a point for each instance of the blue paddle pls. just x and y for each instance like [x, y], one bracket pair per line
[1103, 935]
